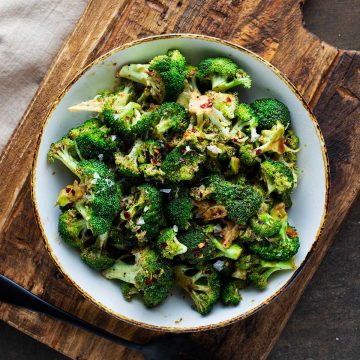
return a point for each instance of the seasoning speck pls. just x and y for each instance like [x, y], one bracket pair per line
[166, 191]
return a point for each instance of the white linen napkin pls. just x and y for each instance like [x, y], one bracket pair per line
[31, 33]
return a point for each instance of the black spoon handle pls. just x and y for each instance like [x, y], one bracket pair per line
[13, 293]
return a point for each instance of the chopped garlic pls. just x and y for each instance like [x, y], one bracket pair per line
[166, 191]
[219, 265]
[214, 149]
[140, 221]
[113, 137]
[175, 228]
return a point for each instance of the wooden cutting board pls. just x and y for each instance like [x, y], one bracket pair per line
[328, 78]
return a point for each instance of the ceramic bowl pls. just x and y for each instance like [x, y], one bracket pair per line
[307, 213]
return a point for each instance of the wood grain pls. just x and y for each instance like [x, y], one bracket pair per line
[328, 79]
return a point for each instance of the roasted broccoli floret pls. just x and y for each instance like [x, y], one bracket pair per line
[128, 165]
[223, 73]
[150, 274]
[244, 266]
[278, 176]
[260, 275]
[129, 121]
[246, 156]
[202, 284]
[163, 77]
[168, 245]
[230, 295]
[269, 112]
[190, 86]
[96, 256]
[65, 151]
[120, 238]
[265, 225]
[73, 228]
[247, 121]
[226, 103]
[281, 248]
[179, 211]
[115, 100]
[292, 140]
[128, 290]
[182, 163]
[141, 211]
[170, 117]
[272, 141]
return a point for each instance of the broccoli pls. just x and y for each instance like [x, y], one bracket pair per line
[246, 121]
[230, 295]
[272, 140]
[96, 256]
[260, 275]
[241, 202]
[120, 239]
[244, 265]
[170, 117]
[150, 274]
[203, 247]
[292, 140]
[265, 225]
[94, 140]
[269, 112]
[163, 77]
[246, 156]
[129, 121]
[226, 103]
[98, 198]
[278, 176]
[168, 245]
[129, 291]
[281, 248]
[223, 73]
[208, 115]
[115, 100]
[142, 212]
[128, 165]
[182, 163]
[73, 228]
[179, 211]
[202, 284]
[190, 86]
[65, 151]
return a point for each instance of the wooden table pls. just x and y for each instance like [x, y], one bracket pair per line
[329, 80]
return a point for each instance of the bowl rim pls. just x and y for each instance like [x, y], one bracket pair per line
[271, 298]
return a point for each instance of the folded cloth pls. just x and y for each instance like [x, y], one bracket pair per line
[31, 33]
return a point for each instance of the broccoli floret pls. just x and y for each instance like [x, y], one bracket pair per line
[244, 265]
[292, 140]
[209, 118]
[202, 284]
[272, 140]
[182, 163]
[129, 291]
[226, 103]
[190, 86]
[115, 100]
[73, 228]
[230, 295]
[129, 121]
[261, 274]
[164, 76]
[241, 202]
[65, 151]
[96, 256]
[200, 248]
[281, 248]
[150, 274]
[120, 239]
[170, 117]
[246, 156]
[269, 112]
[142, 212]
[223, 73]
[265, 225]
[168, 245]
[278, 176]
[97, 199]
[247, 121]
[179, 211]
[128, 165]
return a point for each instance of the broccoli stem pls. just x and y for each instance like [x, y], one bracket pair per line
[65, 157]
[233, 252]
[81, 208]
[122, 271]
[135, 72]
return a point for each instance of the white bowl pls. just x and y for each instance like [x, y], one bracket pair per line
[310, 198]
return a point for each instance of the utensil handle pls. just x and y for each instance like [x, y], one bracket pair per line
[14, 294]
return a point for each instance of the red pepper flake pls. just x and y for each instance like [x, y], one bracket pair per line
[127, 215]
[183, 150]
[68, 190]
[206, 105]
[228, 99]
[153, 161]
[193, 130]
[73, 192]
[258, 152]
[127, 118]
[148, 281]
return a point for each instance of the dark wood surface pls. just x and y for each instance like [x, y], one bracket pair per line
[329, 80]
